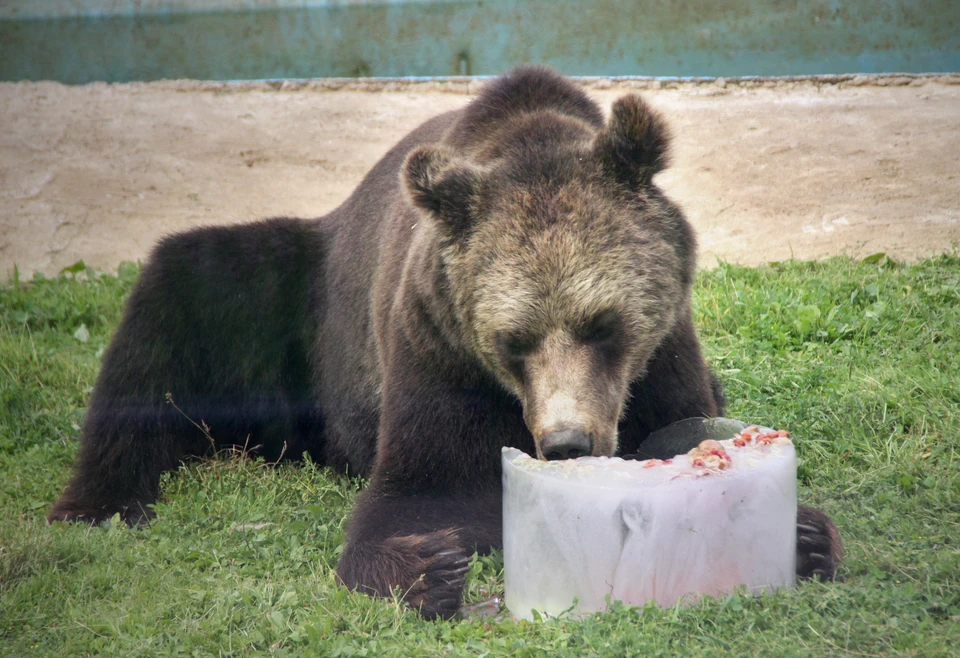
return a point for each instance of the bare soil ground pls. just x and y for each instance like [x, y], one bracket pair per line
[766, 170]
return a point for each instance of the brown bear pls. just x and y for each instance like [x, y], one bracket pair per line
[507, 275]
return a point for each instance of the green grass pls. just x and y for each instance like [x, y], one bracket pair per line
[860, 360]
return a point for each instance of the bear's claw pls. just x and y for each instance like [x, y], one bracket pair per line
[439, 591]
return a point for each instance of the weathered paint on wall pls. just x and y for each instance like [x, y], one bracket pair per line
[292, 39]
[64, 8]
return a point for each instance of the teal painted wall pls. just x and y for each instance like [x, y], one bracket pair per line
[78, 41]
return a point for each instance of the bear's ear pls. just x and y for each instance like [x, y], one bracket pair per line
[633, 146]
[446, 189]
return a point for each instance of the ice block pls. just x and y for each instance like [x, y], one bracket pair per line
[599, 529]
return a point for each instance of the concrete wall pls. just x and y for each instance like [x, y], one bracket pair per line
[79, 41]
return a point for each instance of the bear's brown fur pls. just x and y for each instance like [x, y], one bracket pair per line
[507, 275]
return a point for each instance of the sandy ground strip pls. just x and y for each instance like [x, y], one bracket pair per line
[766, 170]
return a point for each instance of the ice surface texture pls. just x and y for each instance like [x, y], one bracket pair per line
[599, 527]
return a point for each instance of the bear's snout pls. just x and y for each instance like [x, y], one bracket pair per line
[571, 399]
[566, 444]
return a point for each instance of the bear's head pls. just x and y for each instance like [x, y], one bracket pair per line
[566, 265]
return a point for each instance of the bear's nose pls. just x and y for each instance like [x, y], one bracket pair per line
[566, 444]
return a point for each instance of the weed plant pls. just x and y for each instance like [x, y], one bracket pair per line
[860, 360]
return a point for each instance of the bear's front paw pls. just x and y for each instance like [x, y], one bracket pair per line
[819, 547]
[429, 569]
[439, 575]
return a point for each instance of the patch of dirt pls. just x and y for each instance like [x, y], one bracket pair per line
[766, 170]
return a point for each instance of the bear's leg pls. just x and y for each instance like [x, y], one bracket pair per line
[435, 496]
[132, 433]
[118, 470]
[211, 352]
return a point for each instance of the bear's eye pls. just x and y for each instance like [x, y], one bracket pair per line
[600, 328]
[514, 346]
